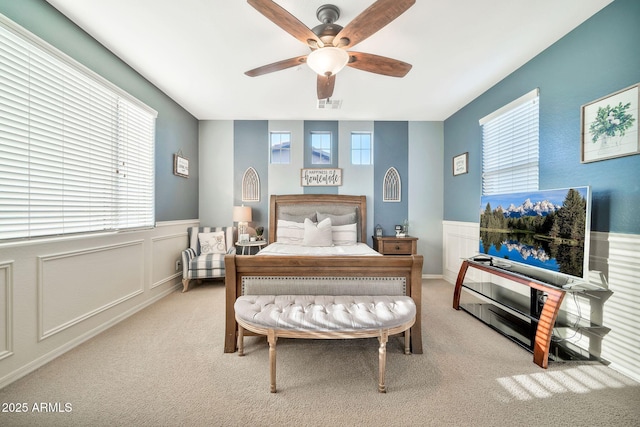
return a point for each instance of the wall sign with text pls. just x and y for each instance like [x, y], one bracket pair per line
[320, 177]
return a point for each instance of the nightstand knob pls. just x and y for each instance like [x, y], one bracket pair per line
[397, 247]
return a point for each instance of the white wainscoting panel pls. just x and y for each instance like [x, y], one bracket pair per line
[460, 240]
[6, 309]
[74, 286]
[166, 250]
[621, 313]
[614, 261]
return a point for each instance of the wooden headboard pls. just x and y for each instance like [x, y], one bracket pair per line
[325, 203]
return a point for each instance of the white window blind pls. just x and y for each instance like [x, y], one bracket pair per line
[510, 147]
[76, 155]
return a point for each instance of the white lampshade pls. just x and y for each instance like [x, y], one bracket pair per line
[242, 213]
[328, 61]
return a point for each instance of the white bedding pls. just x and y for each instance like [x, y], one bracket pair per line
[359, 249]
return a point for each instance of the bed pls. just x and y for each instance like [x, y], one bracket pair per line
[349, 269]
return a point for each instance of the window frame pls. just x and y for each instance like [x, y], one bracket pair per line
[281, 149]
[320, 150]
[359, 150]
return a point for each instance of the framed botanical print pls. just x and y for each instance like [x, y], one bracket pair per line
[610, 126]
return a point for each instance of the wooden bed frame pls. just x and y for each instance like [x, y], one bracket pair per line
[239, 266]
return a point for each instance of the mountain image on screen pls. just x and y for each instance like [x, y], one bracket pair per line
[548, 229]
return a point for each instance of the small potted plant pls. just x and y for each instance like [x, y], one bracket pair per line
[259, 232]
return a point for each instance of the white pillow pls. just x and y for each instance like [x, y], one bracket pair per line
[318, 234]
[212, 243]
[344, 235]
[290, 232]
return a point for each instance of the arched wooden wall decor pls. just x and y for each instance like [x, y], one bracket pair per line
[250, 186]
[392, 187]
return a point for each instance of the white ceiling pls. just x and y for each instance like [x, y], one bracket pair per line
[197, 51]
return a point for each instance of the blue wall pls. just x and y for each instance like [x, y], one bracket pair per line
[391, 149]
[597, 58]
[251, 137]
[176, 129]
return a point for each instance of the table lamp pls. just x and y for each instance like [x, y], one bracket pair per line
[242, 215]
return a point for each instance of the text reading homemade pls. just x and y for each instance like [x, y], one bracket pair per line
[320, 177]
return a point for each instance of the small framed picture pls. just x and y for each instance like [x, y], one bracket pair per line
[460, 164]
[180, 166]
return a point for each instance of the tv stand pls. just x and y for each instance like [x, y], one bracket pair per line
[525, 317]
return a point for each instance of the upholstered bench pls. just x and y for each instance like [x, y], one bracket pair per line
[325, 317]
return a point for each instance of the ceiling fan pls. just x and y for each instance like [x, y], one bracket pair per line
[329, 41]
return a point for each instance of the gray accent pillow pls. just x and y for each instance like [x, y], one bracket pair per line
[298, 217]
[345, 219]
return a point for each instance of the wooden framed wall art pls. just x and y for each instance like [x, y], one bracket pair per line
[320, 177]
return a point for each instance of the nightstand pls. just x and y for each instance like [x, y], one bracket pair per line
[392, 245]
[251, 244]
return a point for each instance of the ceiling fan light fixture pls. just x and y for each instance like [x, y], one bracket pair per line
[327, 61]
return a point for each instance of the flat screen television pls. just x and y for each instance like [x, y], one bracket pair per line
[545, 229]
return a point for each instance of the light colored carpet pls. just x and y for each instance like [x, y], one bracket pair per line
[165, 366]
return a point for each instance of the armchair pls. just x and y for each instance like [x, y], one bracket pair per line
[204, 258]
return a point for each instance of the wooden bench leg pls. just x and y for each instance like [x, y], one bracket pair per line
[271, 336]
[240, 341]
[407, 342]
[382, 360]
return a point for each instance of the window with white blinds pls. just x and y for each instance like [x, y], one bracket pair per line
[76, 153]
[510, 147]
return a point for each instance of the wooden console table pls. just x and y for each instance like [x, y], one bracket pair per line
[543, 323]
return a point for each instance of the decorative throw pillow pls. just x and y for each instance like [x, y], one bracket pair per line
[345, 219]
[318, 234]
[290, 232]
[212, 243]
[344, 235]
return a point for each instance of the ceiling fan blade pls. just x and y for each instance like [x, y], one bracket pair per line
[325, 86]
[277, 66]
[285, 20]
[378, 64]
[371, 20]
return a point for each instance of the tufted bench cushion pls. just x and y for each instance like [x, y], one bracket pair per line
[326, 317]
[325, 313]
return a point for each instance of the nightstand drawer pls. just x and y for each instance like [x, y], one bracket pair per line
[392, 245]
[396, 247]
